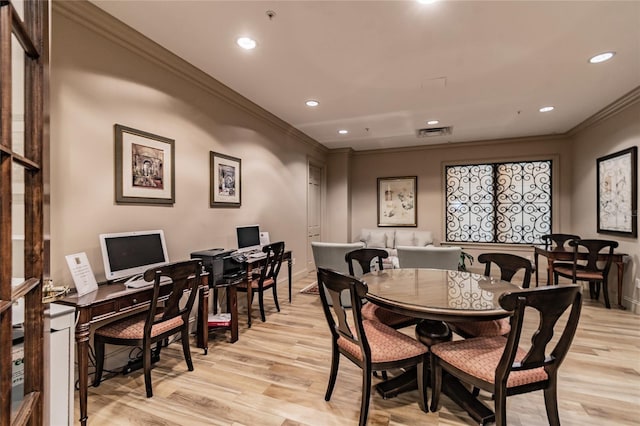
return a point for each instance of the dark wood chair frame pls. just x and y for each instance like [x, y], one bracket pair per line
[558, 239]
[185, 276]
[509, 265]
[364, 256]
[269, 270]
[551, 302]
[335, 283]
[581, 270]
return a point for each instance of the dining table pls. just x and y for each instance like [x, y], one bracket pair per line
[439, 295]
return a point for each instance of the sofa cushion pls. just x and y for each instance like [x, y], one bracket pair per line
[404, 238]
[365, 235]
[377, 239]
[422, 238]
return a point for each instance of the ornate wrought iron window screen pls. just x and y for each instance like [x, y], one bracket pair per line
[507, 203]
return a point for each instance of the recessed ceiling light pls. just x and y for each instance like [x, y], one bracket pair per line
[602, 57]
[343, 131]
[246, 43]
[312, 103]
[432, 122]
[547, 109]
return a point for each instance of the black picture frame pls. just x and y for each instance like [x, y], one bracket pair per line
[617, 194]
[225, 180]
[398, 201]
[144, 167]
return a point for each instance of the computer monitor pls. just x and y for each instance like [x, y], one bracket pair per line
[248, 238]
[131, 253]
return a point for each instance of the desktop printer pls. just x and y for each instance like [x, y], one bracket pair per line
[222, 265]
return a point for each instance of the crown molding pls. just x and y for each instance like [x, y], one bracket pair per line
[95, 19]
[610, 110]
[455, 145]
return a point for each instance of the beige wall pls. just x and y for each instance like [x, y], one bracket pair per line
[428, 163]
[338, 196]
[607, 137]
[100, 77]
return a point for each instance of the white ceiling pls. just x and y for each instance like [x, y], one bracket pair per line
[381, 69]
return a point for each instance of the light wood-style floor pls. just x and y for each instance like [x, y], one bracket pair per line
[276, 374]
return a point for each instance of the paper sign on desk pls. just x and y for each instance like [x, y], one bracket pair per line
[82, 274]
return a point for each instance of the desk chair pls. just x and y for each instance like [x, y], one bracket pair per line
[596, 273]
[497, 364]
[364, 258]
[370, 345]
[267, 279]
[509, 265]
[158, 323]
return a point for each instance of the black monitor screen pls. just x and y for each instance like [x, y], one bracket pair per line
[248, 236]
[134, 251]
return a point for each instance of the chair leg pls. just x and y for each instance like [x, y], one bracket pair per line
[501, 407]
[261, 303]
[186, 350]
[335, 362]
[275, 296]
[436, 382]
[551, 404]
[592, 290]
[423, 379]
[99, 344]
[146, 364]
[366, 395]
[605, 290]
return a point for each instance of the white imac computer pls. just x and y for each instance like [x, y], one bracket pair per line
[248, 238]
[127, 254]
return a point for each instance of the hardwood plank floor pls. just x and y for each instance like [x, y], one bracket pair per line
[276, 374]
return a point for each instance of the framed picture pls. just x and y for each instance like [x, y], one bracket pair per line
[226, 180]
[397, 198]
[617, 193]
[145, 171]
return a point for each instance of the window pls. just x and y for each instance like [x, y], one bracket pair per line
[498, 202]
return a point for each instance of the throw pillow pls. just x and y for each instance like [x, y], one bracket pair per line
[377, 239]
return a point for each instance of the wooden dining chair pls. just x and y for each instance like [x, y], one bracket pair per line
[591, 270]
[265, 280]
[509, 265]
[365, 257]
[498, 365]
[370, 345]
[557, 241]
[158, 322]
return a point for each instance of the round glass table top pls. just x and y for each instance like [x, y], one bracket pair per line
[438, 294]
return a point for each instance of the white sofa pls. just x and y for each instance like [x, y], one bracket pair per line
[390, 238]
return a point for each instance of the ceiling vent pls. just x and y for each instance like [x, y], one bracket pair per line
[433, 131]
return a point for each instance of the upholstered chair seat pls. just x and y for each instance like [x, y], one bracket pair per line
[491, 328]
[132, 328]
[374, 312]
[480, 356]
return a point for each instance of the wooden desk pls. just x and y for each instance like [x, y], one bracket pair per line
[252, 264]
[114, 300]
[567, 255]
[442, 295]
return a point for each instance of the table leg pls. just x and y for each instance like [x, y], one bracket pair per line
[82, 345]
[249, 297]
[289, 263]
[202, 326]
[620, 265]
[232, 308]
[535, 262]
[549, 271]
[451, 387]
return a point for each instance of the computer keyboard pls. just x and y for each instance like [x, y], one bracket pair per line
[258, 255]
[139, 282]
